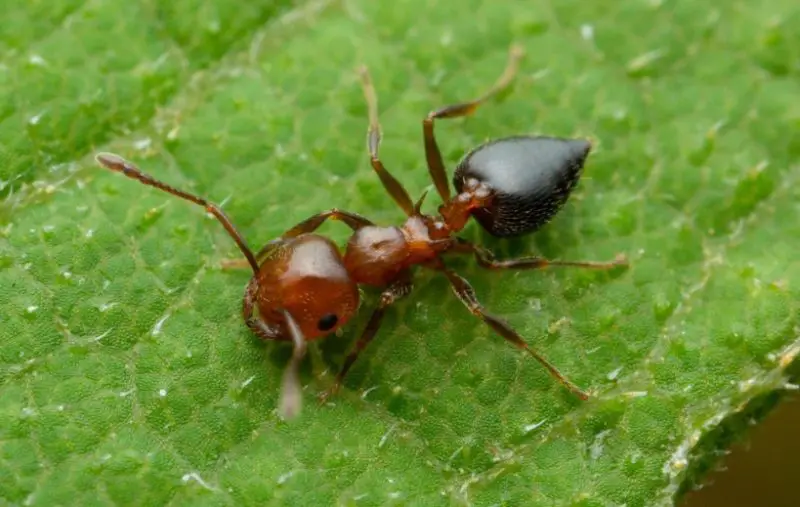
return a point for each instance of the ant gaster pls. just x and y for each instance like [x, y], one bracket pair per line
[303, 288]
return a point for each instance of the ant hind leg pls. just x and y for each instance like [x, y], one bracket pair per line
[433, 155]
[466, 294]
[486, 259]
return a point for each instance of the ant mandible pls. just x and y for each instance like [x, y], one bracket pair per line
[303, 288]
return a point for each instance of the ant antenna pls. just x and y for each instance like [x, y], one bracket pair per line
[291, 396]
[120, 165]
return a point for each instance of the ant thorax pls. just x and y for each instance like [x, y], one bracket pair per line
[375, 255]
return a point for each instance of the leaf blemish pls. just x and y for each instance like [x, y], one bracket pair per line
[35, 119]
[194, 476]
[157, 327]
[530, 427]
[284, 477]
[612, 375]
[587, 32]
[556, 326]
[162, 392]
[385, 436]
[143, 144]
[635, 394]
[596, 449]
[365, 393]
[37, 60]
[789, 355]
[101, 336]
[679, 459]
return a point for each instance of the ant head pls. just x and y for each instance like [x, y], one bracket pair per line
[320, 305]
[305, 276]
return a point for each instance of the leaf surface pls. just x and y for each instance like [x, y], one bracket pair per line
[128, 378]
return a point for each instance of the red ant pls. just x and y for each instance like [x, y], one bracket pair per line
[303, 288]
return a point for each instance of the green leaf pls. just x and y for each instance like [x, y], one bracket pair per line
[128, 378]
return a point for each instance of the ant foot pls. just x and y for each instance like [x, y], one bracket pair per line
[325, 395]
[620, 260]
[234, 264]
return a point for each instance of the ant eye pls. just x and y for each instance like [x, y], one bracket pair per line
[327, 322]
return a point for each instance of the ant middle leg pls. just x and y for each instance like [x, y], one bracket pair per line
[466, 294]
[433, 155]
[389, 296]
[390, 183]
[310, 224]
[486, 259]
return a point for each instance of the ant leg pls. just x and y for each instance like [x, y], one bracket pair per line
[389, 296]
[432, 153]
[310, 224]
[291, 398]
[120, 165]
[390, 183]
[487, 260]
[255, 323]
[466, 294]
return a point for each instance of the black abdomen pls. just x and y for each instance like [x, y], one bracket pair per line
[532, 177]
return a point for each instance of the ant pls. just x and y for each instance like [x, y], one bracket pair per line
[303, 288]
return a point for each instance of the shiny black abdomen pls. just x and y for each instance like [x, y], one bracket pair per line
[531, 177]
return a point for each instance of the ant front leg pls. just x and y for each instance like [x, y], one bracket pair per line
[433, 155]
[389, 296]
[255, 322]
[310, 224]
[466, 294]
[486, 259]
